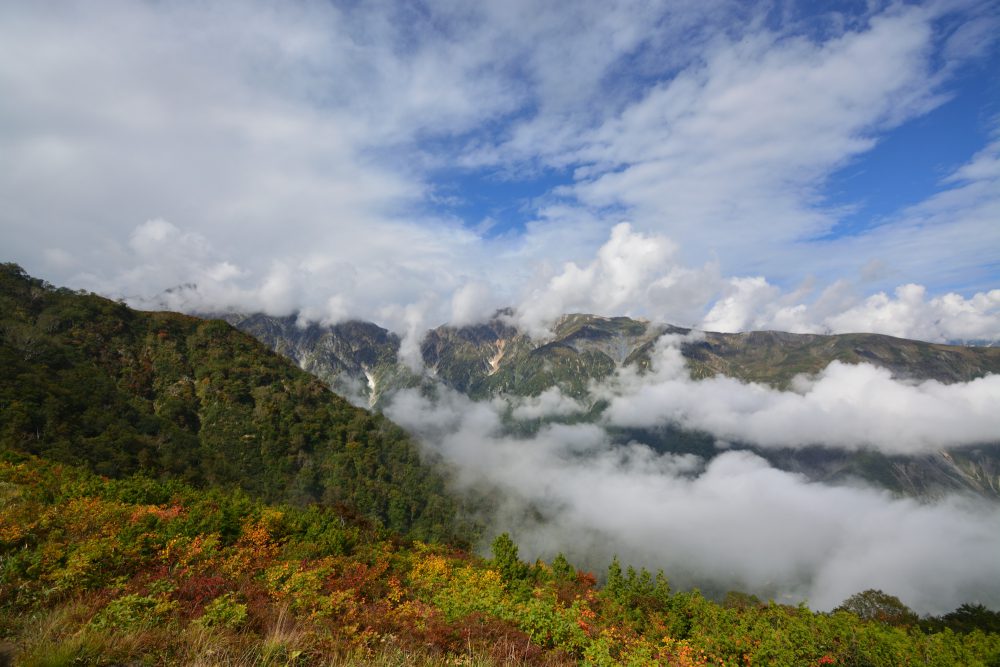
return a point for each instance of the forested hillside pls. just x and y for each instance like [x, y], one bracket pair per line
[88, 381]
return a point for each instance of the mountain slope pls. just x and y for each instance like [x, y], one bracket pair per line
[775, 357]
[91, 382]
[495, 359]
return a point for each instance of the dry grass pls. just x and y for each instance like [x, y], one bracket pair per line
[64, 637]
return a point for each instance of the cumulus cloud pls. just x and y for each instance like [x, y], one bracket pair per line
[471, 303]
[639, 274]
[632, 273]
[733, 522]
[754, 304]
[912, 315]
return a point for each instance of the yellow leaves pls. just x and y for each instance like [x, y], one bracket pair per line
[414, 615]
[430, 570]
[196, 554]
[470, 589]
[161, 512]
[14, 527]
[11, 533]
[343, 604]
[255, 545]
[85, 565]
[287, 579]
[85, 517]
[306, 589]
[20, 474]
[395, 593]
[276, 576]
[256, 536]
[683, 654]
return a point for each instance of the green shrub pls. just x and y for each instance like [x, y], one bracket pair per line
[224, 612]
[133, 612]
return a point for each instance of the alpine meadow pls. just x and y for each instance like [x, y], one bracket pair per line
[626, 332]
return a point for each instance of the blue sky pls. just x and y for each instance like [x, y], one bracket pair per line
[819, 167]
[910, 161]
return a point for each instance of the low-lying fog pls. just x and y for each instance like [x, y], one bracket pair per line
[734, 521]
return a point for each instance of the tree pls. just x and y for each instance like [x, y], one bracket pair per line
[616, 581]
[506, 560]
[562, 570]
[876, 605]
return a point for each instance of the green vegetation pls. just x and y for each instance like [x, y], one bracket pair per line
[143, 571]
[774, 357]
[88, 381]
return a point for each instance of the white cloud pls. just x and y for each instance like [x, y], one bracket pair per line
[740, 144]
[632, 274]
[754, 304]
[845, 406]
[731, 523]
[638, 274]
[743, 300]
[471, 303]
[549, 403]
[912, 315]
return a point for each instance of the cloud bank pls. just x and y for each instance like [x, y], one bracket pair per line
[632, 274]
[637, 274]
[733, 522]
[846, 406]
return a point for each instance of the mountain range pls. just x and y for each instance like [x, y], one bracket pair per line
[495, 359]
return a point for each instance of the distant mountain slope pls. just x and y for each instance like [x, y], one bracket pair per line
[493, 359]
[89, 381]
[775, 357]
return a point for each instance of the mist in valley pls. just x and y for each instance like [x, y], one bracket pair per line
[731, 521]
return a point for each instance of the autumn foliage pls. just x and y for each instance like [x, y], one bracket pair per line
[98, 570]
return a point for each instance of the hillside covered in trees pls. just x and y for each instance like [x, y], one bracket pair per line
[88, 381]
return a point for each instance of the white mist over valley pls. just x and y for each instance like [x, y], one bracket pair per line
[732, 522]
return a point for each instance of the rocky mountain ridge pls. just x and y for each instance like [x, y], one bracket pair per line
[361, 360]
[493, 358]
